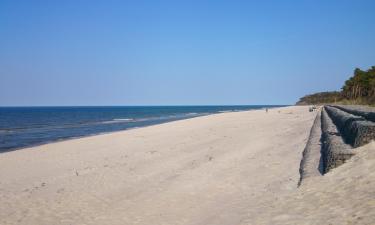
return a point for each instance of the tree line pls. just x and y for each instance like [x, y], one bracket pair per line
[358, 89]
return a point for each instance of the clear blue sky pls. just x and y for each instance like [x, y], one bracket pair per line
[180, 52]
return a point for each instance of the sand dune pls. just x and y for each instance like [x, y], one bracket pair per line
[230, 168]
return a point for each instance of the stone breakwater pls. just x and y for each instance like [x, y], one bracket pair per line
[356, 130]
[334, 150]
[364, 111]
[336, 132]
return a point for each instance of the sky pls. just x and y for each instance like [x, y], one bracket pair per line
[180, 52]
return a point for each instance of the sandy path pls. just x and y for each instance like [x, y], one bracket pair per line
[216, 169]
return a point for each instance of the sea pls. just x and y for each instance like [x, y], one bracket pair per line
[22, 127]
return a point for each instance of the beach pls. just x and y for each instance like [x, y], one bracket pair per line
[229, 168]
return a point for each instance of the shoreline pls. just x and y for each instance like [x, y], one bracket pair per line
[126, 129]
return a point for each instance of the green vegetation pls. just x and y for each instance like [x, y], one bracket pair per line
[321, 98]
[358, 89]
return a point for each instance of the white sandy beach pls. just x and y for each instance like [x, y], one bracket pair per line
[227, 169]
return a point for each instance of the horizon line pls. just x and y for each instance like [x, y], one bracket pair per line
[19, 106]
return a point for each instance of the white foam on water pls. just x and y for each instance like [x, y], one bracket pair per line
[123, 119]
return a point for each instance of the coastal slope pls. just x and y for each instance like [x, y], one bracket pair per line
[217, 169]
[345, 195]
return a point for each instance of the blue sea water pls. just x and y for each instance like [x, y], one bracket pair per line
[28, 126]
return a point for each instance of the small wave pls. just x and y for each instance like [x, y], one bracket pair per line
[192, 114]
[117, 120]
[5, 131]
[125, 119]
[226, 111]
[145, 119]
